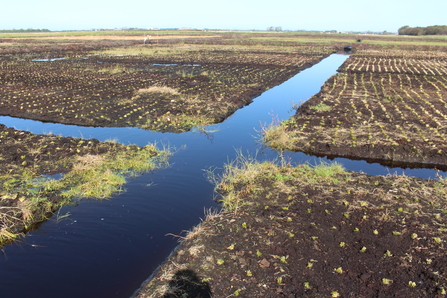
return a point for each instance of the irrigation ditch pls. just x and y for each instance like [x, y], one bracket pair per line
[108, 248]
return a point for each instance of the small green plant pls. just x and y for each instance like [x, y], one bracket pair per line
[335, 294]
[238, 291]
[387, 254]
[386, 281]
[279, 280]
[411, 284]
[339, 270]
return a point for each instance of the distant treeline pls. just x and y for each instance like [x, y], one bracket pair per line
[429, 30]
[24, 30]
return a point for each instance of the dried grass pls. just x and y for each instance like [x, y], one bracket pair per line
[158, 89]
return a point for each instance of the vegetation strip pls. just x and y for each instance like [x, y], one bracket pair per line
[312, 231]
[90, 169]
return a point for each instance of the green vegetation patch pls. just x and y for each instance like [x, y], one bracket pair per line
[30, 194]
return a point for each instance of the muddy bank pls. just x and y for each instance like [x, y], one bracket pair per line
[27, 199]
[284, 235]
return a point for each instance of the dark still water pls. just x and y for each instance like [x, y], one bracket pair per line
[108, 248]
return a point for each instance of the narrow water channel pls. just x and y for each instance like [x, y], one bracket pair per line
[108, 248]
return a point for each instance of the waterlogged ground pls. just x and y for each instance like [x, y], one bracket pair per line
[313, 232]
[388, 106]
[91, 169]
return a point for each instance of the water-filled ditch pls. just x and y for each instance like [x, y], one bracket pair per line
[107, 248]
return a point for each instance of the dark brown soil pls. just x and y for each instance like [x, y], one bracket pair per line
[25, 156]
[350, 235]
[91, 90]
[388, 109]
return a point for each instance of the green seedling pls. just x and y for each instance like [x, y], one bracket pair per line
[279, 280]
[335, 294]
[387, 254]
[307, 285]
[231, 247]
[411, 284]
[238, 291]
[437, 240]
[386, 281]
[363, 249]
[339, 270]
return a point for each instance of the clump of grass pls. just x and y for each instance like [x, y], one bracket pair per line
[245, 171]
[158, 89]
[277, 136]
[89, 176]
[321, 107]
[94, 176]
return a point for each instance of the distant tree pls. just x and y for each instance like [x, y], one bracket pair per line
[402, 30]
[278, 29]
[23, 30]
[429, 30]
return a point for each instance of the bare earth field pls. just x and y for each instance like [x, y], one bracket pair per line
[156, 87]
[386, 106]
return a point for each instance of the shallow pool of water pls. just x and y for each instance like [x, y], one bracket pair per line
[108, 248]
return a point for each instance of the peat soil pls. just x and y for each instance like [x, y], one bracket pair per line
[25, 156]
[91, 89]
[381, 108]
[349, 235]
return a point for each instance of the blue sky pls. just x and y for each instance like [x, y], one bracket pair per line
[378, 15]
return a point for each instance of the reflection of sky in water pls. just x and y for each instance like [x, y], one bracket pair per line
[111, 246]
[48, 60]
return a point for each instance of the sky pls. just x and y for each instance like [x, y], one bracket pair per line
[348, 15]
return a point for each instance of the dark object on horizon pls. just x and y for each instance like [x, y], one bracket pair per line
[347, 48]
[359, 40]
[1, 41]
